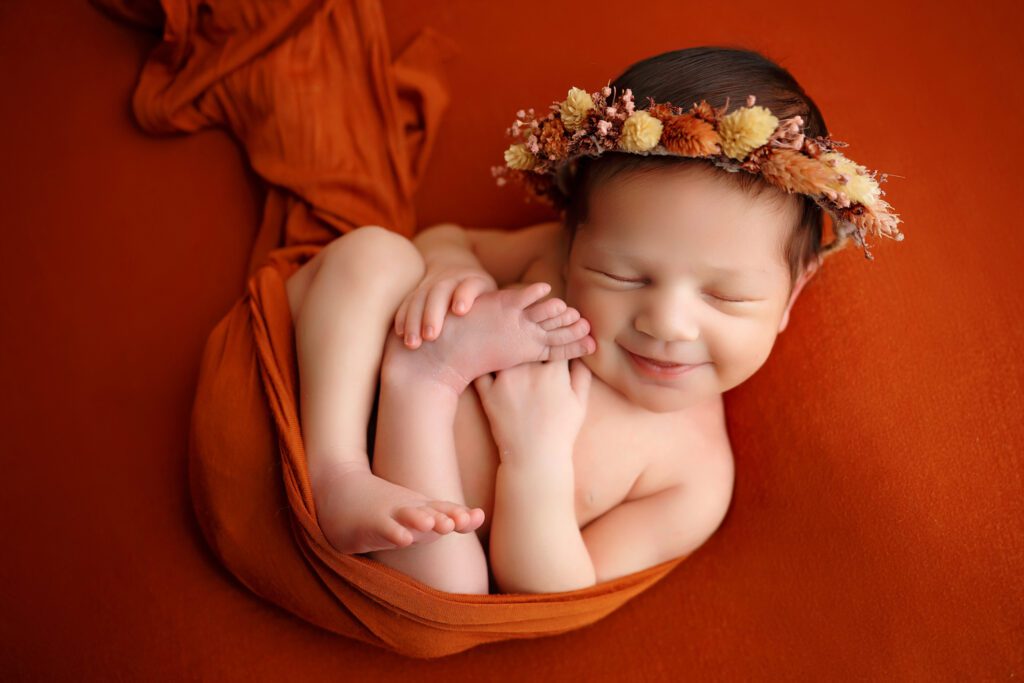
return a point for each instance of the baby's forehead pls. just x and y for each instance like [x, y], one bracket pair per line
[656, 211]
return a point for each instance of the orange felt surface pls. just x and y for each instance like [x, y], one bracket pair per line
[876, 527]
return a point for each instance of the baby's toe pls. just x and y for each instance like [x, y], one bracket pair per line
[397, 534]
[565, 319]
[444, 524]
[564, 335]
[419, 517]
[460, 514]
[531, 293]
[575, 349]
[545, 310]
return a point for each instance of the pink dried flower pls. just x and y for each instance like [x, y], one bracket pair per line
[788, 135]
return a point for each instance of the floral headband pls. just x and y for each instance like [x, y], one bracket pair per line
[750, 138]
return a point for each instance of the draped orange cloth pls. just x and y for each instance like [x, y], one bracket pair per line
[341, 134]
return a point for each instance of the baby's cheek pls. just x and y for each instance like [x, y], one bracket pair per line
[593, 309]
[738, 353]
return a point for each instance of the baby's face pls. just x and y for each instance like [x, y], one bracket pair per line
[687, 241]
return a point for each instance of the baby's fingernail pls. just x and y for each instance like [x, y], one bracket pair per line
[429, 332]
[460, 307]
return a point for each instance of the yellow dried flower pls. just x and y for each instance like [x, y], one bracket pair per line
[575, 107]
[746, 129]
[859, 186]
[519, 157]
[640, 132]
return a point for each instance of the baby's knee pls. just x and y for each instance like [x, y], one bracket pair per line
[375, 251]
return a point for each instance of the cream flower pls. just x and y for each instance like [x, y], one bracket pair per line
[860, 187]
[746, 129]
[640, 132]
[519, 157]
[575, 107]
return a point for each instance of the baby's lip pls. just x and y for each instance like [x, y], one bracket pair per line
[659, 360]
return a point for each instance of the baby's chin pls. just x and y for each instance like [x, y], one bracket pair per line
[664, 400]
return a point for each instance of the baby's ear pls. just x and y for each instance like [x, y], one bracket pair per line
[801, 280]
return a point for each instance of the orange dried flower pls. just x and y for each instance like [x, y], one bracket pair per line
[704, 111]
[877, 220]
[553, 142]
[690, 136]
[662, 112]
[792, 171]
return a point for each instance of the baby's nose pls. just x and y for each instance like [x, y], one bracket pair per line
[671, 321]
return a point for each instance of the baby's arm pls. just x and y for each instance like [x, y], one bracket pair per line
[535, 541]
[504, 254]
[536, 411]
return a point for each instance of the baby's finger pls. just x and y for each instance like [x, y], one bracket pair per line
[466, 293]
[436, 307]
[579, 378]
[413, 318]
[482, 384]
[400, 316]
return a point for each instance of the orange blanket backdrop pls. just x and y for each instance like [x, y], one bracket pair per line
[342, 134]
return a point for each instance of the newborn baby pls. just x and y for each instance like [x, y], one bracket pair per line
[599, 448]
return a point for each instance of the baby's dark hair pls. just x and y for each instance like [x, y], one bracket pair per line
[684, 77]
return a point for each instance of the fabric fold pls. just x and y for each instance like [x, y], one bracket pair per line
[341, 135]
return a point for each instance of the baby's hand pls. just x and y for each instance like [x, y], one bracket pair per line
[535, 409]
[426, 306]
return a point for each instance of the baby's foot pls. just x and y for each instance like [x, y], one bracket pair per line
[502, 330]
[359, 512]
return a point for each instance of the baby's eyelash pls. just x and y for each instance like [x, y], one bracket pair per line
[734, 301]
[619, 279]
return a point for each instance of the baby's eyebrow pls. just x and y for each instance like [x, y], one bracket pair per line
[641, 260]
[732, 271]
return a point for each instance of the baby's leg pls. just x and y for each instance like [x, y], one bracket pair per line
[419, 395]
[343, 302]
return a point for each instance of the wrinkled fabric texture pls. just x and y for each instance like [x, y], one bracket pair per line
[341, 134]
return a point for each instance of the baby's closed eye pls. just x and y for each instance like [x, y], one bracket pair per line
[717, 295]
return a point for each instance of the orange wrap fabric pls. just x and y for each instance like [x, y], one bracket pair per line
[342, 136]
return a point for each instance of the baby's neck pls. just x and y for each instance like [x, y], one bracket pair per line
[706, 409]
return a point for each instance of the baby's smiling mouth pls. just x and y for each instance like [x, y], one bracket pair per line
[663, 364]
[656, 361]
